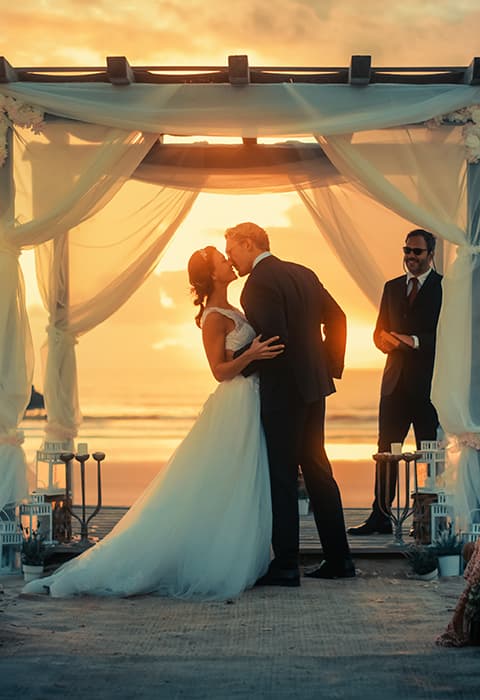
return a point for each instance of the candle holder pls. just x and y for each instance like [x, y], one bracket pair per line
[84, 521]
[400, 509]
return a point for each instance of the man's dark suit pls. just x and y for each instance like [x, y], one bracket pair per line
[407, 377]
[285, 299]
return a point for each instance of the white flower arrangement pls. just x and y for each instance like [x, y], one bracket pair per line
[469, 440]
[14, 112]
[469, 117]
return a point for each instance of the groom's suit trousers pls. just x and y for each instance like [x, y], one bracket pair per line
[297, 437]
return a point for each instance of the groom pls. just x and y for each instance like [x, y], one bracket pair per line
[285, 299]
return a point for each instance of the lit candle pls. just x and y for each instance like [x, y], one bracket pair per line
[82, 448]
[396, 448]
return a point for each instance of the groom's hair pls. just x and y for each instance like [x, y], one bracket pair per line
[249, 230]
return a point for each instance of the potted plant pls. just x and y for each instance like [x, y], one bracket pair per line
[448, 547]
[33, 554]
[423, 561]
[472, 615]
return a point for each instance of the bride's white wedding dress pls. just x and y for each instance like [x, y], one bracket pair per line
[202, 528]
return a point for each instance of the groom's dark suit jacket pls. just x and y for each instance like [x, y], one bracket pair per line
[286, 299]
[406, 366]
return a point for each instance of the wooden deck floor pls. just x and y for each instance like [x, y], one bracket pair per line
[374, 545]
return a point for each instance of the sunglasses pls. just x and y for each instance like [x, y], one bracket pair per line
[416, 251]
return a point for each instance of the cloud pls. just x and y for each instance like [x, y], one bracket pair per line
[192, 31]
[166, 301]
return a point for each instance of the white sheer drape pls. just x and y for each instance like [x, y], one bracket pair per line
[16, 352]
[429, 189]
[91, 256]
[16, 361]
[64, 194]
[281, 109]
[332, 209]
[97, 270]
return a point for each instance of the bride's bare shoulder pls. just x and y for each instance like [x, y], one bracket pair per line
[215, 321]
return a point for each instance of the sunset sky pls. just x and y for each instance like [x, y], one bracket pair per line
[281, 32]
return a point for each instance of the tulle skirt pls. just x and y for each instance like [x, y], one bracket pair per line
[202, 528]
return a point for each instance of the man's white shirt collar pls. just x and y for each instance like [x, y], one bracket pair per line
[263, 255]
[421, 278]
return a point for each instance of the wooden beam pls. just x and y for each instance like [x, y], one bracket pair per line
[360, 70]
[7, 73]
[119, 71]
[238, 70]
[472, 74]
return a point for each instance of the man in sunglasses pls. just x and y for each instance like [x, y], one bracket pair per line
[405, 332]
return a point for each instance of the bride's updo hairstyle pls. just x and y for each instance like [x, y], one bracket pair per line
[200, 268]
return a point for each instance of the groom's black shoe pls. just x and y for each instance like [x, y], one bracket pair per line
[371, 526]
[342, 569]
[280, 577]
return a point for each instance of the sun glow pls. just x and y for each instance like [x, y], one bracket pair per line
[212, 214]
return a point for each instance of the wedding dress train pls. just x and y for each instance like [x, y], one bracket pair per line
[202, 528]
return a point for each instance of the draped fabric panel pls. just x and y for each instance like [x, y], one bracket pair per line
[456, 387]
[42, 205]
[281, 109]
[435, 197]
[331, 210]
[118, 268]
[236, 169]
[16, 351]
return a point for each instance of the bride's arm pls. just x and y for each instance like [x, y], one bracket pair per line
[222, 363]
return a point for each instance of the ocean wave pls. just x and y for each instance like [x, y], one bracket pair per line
[192, 414]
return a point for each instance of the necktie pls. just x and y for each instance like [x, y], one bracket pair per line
[413, 290]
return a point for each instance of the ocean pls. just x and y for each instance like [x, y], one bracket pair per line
[140, 424]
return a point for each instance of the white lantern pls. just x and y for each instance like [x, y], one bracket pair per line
[10, 543]
[430, 466]
[49, 468]
[441, 515]
[37, 515]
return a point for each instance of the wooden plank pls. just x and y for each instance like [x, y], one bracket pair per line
[238, 70]
[360, 70]
[119, 71]
[372, 545]
[472, 74]
[7, 73]
[239, 73]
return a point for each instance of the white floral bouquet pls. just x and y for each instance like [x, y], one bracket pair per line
[470, 118]
[15, 112]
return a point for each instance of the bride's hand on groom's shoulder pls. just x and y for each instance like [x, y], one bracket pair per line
[265, 349]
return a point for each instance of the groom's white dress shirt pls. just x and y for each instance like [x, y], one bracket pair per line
[263, 255]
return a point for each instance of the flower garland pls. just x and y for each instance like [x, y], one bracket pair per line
[469, 440]
[470, 118]
[12, 112]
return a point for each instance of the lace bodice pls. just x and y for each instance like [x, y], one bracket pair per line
[242, 334]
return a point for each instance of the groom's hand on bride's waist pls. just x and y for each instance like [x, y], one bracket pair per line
[250, 368]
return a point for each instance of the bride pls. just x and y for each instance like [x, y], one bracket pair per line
[202, 528]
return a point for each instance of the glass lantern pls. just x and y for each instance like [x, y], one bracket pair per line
[50, 477]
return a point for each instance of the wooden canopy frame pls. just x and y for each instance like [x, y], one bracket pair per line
[360, 72]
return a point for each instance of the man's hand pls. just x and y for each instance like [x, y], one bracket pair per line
[387, 342]
[407, 339]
